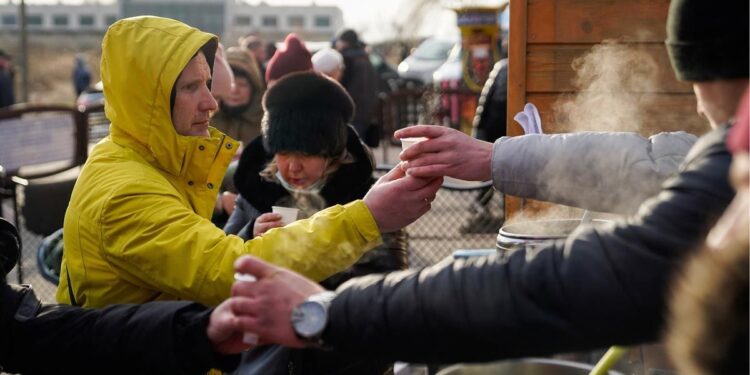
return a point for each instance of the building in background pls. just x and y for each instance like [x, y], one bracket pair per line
[227, 18]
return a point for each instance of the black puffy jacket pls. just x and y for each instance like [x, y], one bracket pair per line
[153, 338]
[601, 286]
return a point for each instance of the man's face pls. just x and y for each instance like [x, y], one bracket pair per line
[194, 104]
[717, 100]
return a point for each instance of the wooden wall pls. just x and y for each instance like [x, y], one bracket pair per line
[547, 35]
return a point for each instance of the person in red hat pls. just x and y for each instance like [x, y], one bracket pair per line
[292, 57]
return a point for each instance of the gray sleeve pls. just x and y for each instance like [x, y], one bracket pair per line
[605, 172]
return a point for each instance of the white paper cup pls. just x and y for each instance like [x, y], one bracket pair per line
[408, 142]
[288, 214]
[249, 338]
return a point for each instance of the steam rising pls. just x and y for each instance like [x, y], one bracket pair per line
[614, 82]
[611, 81]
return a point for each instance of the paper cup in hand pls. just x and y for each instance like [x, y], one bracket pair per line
[288, 214]
[408, 142]
[249, 338]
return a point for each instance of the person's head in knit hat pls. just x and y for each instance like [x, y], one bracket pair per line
[305, 127]
[707, 43]
[292, 57]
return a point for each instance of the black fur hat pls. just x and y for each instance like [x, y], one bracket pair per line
[308, 113]
[708, 40]
[10, 246]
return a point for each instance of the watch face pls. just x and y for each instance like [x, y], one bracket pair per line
[309, 319]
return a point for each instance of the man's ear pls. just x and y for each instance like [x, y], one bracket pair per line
[10, 246]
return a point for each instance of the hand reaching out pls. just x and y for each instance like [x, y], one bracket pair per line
[446, 152]
[266, 222]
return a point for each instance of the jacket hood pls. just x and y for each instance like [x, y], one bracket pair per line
[142, 57]
[350, 182]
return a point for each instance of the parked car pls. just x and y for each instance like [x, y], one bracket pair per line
[426, 58]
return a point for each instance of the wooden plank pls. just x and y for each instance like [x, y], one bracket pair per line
[592, 21]
[549, 67]
[650, 114]
[516, 76]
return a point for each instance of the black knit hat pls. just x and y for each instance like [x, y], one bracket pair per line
[708, 40]
[306, 112]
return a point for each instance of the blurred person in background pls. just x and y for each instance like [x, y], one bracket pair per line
[39, 338]
[81, 75]
[292, 57]
[309, 158]
[329, 62]
[601, 286]
[240, 112]
[137, 227]
[360, 82]
[7, 84]
[254, 44]
[270, 51]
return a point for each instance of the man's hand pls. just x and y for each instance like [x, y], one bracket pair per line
[226, 326]
[396, 200]
[269, 301]
[447, 152]
[266, 222]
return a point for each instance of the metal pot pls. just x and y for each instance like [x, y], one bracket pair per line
[513, 236]
[528, 366]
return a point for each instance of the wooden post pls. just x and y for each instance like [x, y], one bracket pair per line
[516, 81]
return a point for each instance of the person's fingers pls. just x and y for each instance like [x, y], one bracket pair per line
[268, 217]
[411, 183]
[432, 158]
[429, 171]
[429, 131]
[394, 174]
[244, 289]
[254, 266]
[443, 145]
[242, 305]
[428, 192]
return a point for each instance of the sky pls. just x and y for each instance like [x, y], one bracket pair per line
[373, 18]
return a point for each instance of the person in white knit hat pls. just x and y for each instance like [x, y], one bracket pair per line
[329, 62]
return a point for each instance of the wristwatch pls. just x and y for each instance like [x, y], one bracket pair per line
[309, 318]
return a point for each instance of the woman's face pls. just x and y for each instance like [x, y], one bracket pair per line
[241, 93]
[301, 171]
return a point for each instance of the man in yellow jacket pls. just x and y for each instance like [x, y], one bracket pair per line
[137, 227]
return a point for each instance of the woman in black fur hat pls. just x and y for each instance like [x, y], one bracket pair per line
[310, 158]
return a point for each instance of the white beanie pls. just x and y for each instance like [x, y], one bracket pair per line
[327, 60]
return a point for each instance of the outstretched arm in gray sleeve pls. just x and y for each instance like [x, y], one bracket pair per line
[606, 172]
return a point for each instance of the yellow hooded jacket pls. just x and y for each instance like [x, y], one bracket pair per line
[137, 227]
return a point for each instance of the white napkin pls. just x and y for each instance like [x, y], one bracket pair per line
[529, 119]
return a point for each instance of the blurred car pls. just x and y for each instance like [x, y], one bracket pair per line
[426, 58]
[450, 73]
